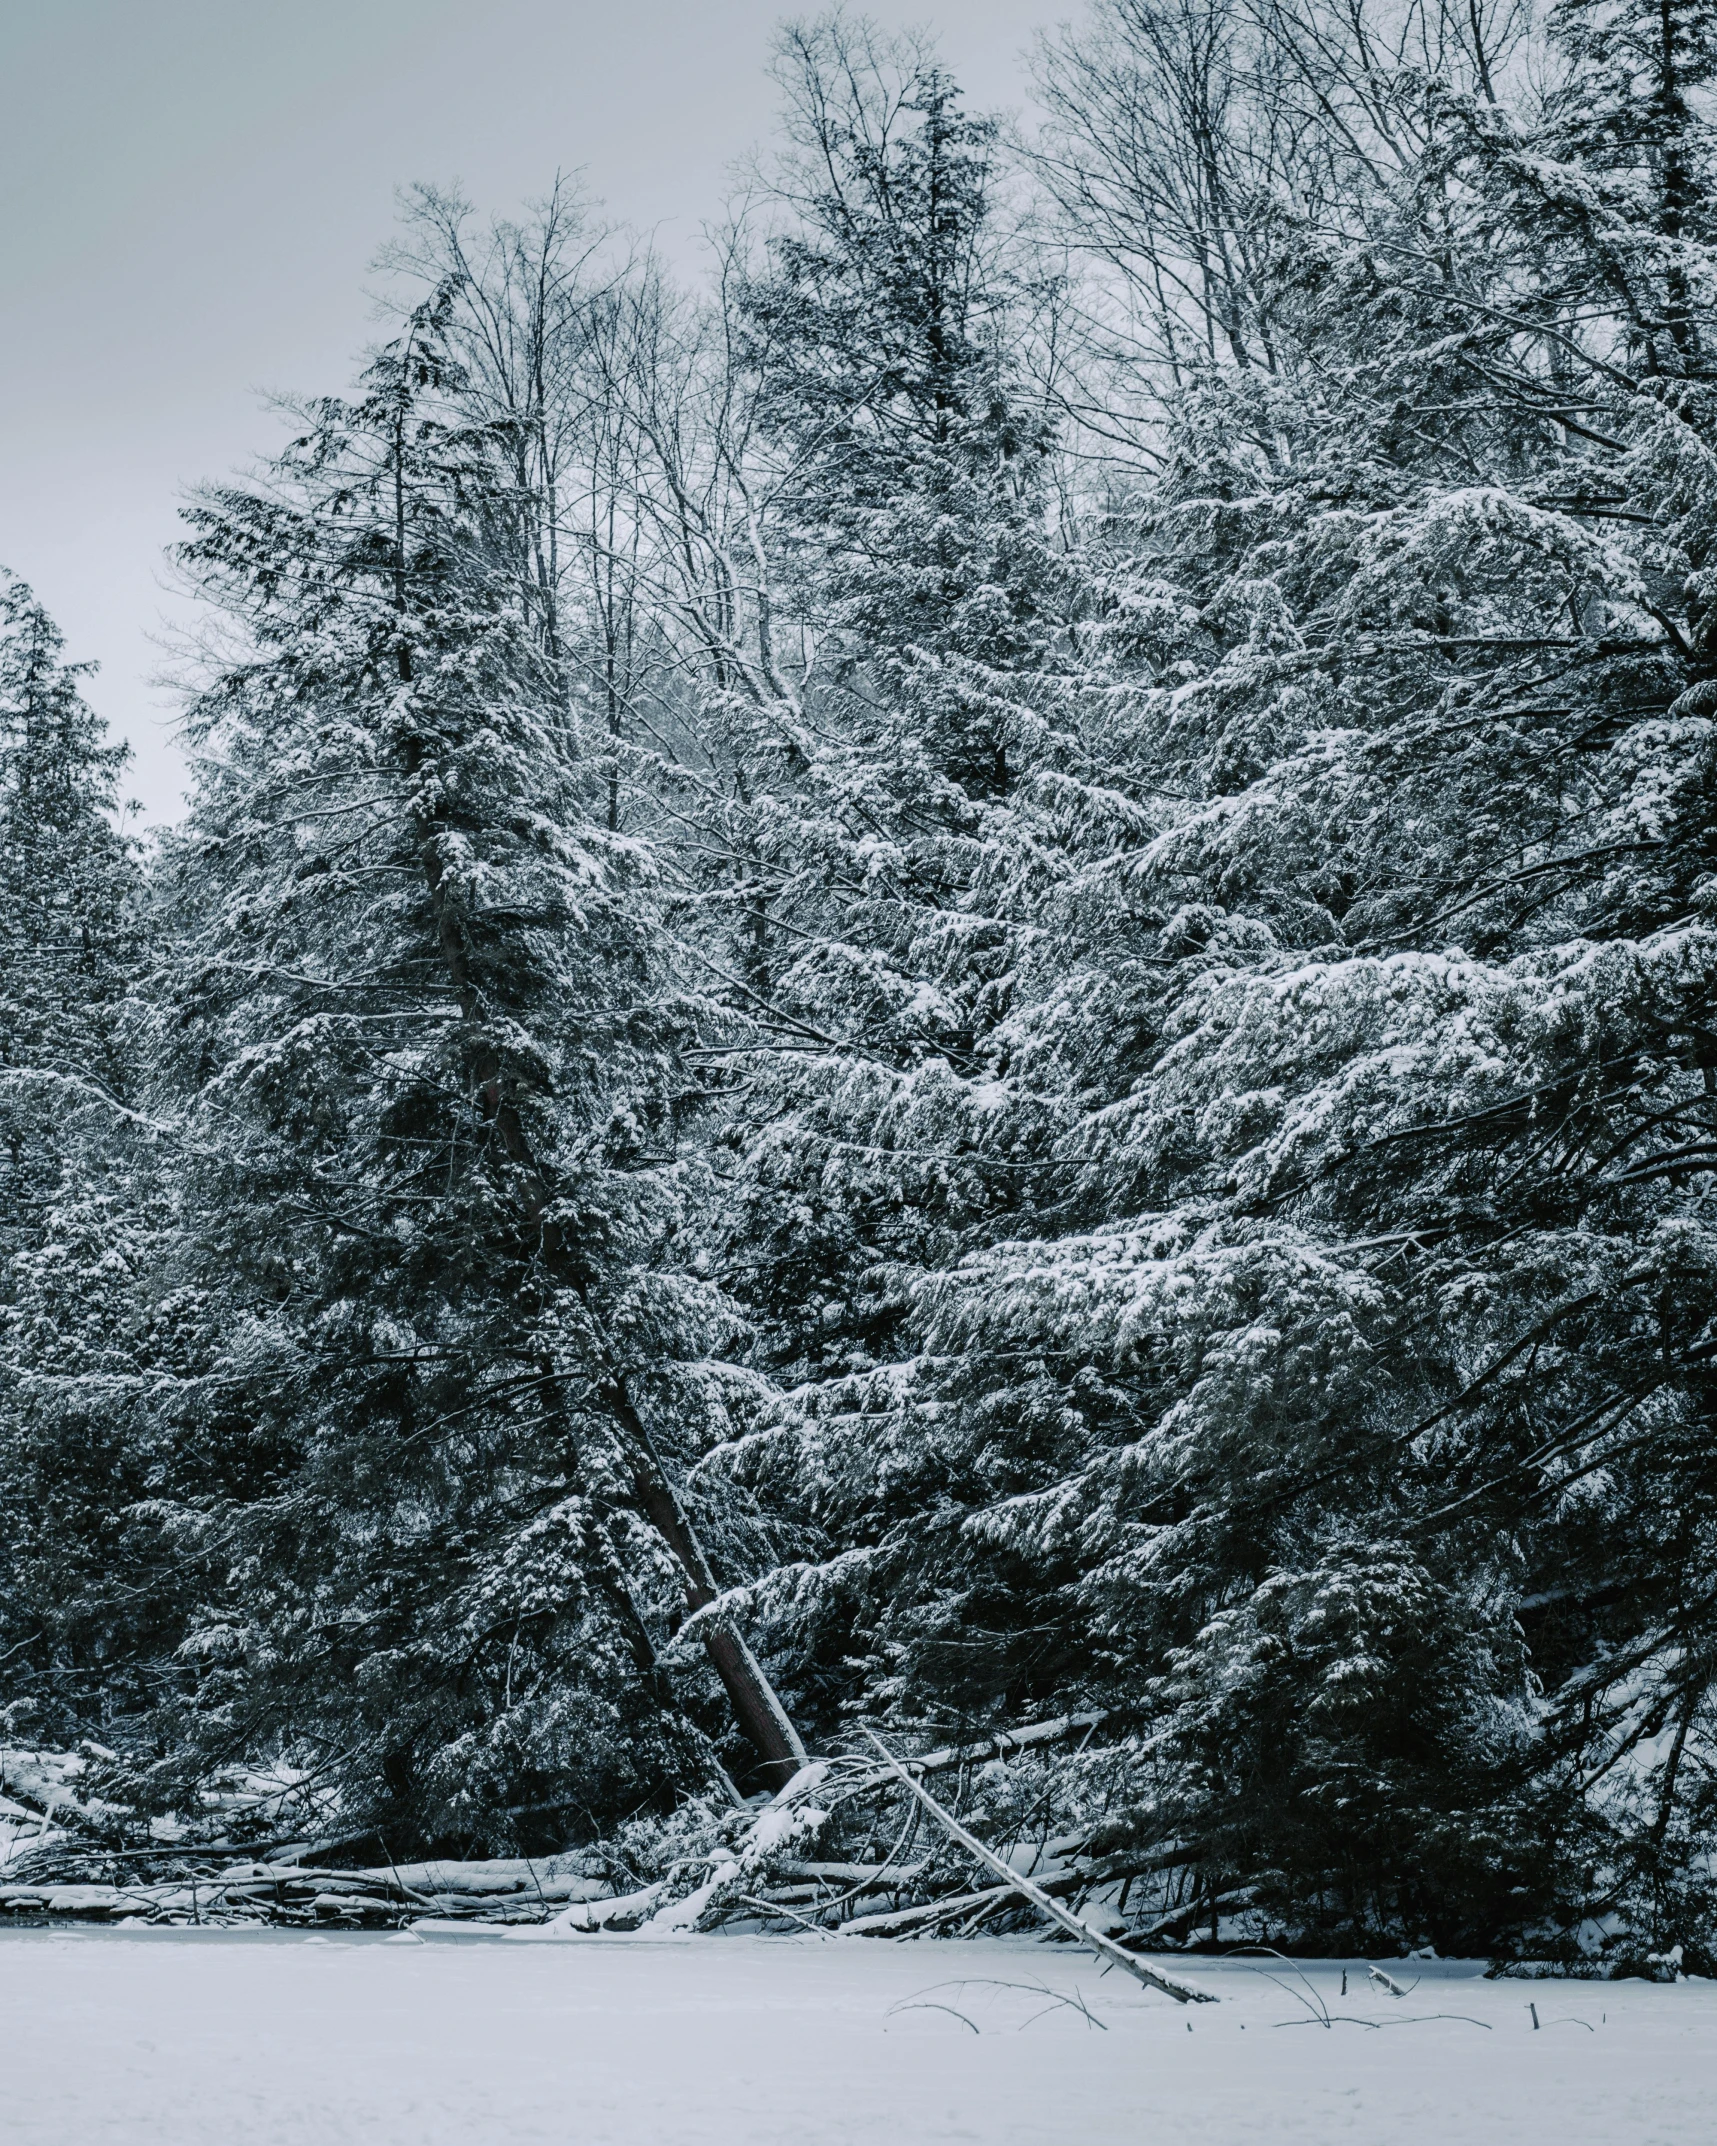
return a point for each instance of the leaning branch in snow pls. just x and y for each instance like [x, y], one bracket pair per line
[788, 1820]
[1106, 1948]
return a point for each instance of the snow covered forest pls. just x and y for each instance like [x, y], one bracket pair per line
[964, 982]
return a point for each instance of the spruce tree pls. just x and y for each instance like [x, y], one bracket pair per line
[74, 1630]
[898, 460]
[64, 885]
[1340, 1415]
[420, 1028]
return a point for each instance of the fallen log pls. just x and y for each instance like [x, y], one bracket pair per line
[869, 1876]
[346, 1904]
[1183, 1917]
[1006, 1741]
[903, 1919]
[627, 1911]
[93, 1851]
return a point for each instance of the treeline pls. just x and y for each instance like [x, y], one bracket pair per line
[971, 976]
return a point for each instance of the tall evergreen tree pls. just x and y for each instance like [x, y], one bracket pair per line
[64, 883]
[1349, 1385]
[72, 1453]
[420, 1026]
[897, 480]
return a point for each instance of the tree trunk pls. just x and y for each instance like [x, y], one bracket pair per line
[756, 1706]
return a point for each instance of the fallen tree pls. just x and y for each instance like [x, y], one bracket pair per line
[852, 1845]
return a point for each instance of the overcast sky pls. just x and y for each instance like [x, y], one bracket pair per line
[193, 190]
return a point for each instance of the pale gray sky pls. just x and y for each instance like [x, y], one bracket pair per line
[193, 190]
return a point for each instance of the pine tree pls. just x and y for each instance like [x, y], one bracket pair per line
[1367, 1322]
[420, 1027]
[886, 807]
[64, 882]
[911, 522]
[72, 1452]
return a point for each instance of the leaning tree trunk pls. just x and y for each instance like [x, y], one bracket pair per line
[756, 1705]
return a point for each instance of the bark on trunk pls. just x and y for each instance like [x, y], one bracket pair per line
[756, 1705]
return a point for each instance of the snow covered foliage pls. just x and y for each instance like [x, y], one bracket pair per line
[75, 1633]
[994, 955]
[1331, 1385]
[426, 1059]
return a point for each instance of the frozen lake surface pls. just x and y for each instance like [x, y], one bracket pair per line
[186, 2037]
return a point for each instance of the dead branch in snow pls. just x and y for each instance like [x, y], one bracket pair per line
[1005, 1742]
[752, 1860]
[927, 1912]
[1105, 1947]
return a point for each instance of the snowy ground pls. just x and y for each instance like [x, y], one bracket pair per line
[181, 2038]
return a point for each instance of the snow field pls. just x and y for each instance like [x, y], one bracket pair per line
[276, 2041]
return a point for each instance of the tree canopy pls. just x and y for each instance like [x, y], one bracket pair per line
[973, 976]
